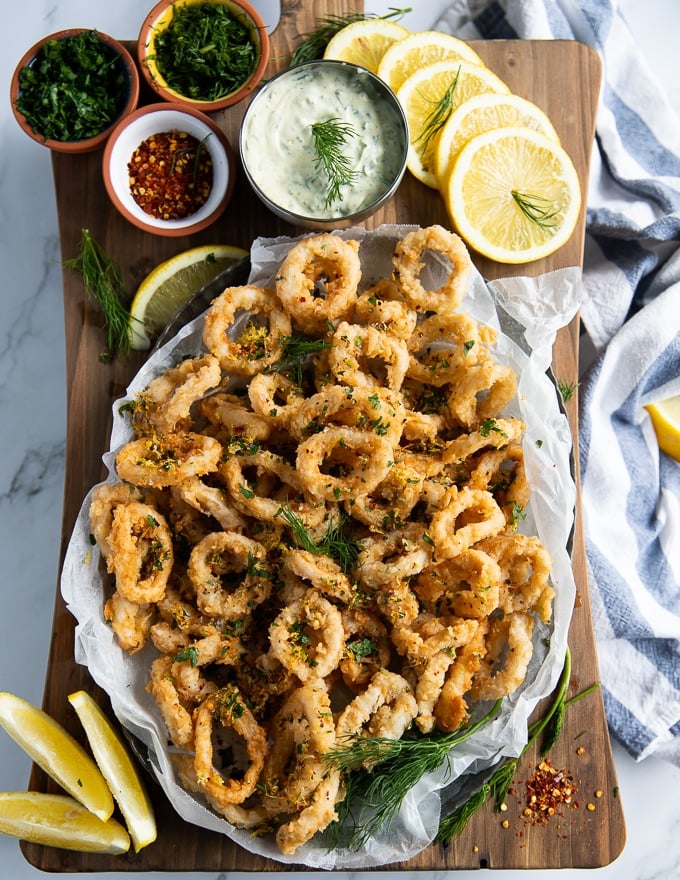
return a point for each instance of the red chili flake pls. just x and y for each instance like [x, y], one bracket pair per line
[548, 791]
[171, 175]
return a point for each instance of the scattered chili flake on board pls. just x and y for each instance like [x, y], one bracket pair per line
[548, 791]
[171, 175]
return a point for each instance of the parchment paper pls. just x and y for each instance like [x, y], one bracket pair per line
[527, 313]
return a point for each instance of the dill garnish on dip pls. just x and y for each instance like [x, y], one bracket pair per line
[205, 52]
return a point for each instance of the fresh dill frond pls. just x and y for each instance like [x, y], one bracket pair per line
[497, 786]
[330, 136]
[538, 209]
[436, 118]
[103, 282]
[296, 350]
[567, 389]
[314, 43]
[388, 770]
[337, 543]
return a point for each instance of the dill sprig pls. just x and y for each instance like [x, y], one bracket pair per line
[104, 283]
[314, 43]
[296, 350]
[538, 209]
[496, 787]
[337, 543]
[329, 138]
[437, 117]
[567, 389]
[391, 767]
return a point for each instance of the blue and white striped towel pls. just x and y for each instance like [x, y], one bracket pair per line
[631, 311]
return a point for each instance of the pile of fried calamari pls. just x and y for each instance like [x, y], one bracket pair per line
[316, 528]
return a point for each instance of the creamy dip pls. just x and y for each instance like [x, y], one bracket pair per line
[277, 144]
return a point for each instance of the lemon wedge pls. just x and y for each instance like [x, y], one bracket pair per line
[118, 769]
[429, 96]
[365, 42]
[53, 749]
[174, 281]
[665, 417]
[513, 195]
[420, 49]
[58, 820]
[483, 113]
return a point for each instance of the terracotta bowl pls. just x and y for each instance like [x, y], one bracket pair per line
[90, 144]
[157, 119]
[161, 17]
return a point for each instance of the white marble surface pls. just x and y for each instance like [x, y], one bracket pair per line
[32, 421]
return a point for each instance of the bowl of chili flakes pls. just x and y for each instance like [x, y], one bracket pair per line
[207, 54]
[169, 169]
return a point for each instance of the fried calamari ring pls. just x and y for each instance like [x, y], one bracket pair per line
[469, 516]
[481, 392]
[389, 505]
[244, 328]
[105, 498]
[525, 567]
[409, 264]
[228, 708]
[143, 554]
[223, 568]
[467, 585]
[366, 357]
[386, 709]
[442, 347]
[211, 501]
[165, 461]
[322, 573]
[394, 557]
[495, 434]
[509, 649]
[338, 462]
[367, 648]
[176, 717]
[317, 281]
[233, 419]
[307, 636]
[130, 621]
[164, 406]
[314, 817]
[451, 708]
[275, 397]
[502, 472]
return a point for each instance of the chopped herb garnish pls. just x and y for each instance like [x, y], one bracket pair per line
[75, 88]
[330, 136]
[205, 52]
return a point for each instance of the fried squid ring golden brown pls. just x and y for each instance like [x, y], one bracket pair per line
[408, 265]
[164, 406]
[386, 708]
[227, 708]
[338, 462]
[317, 281]
[307, 636]
[245, 347]
[366, 357]
[157, 461]
[470, 515]
[143, 554]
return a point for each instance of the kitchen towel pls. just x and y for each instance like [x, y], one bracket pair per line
[631, 312]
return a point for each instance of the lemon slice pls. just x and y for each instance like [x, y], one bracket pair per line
[59, 820]
[665, 417]
[365, 42]
[54, 750]
[513, 195]
[118, 769]
[484, 113]
[420, 49]
[167, 287]
[429, 96]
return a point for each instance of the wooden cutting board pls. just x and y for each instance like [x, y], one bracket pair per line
[561, 77]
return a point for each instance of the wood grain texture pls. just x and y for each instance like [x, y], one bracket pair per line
[561, 77]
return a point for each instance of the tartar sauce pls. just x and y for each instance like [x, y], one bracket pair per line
[277, 144]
